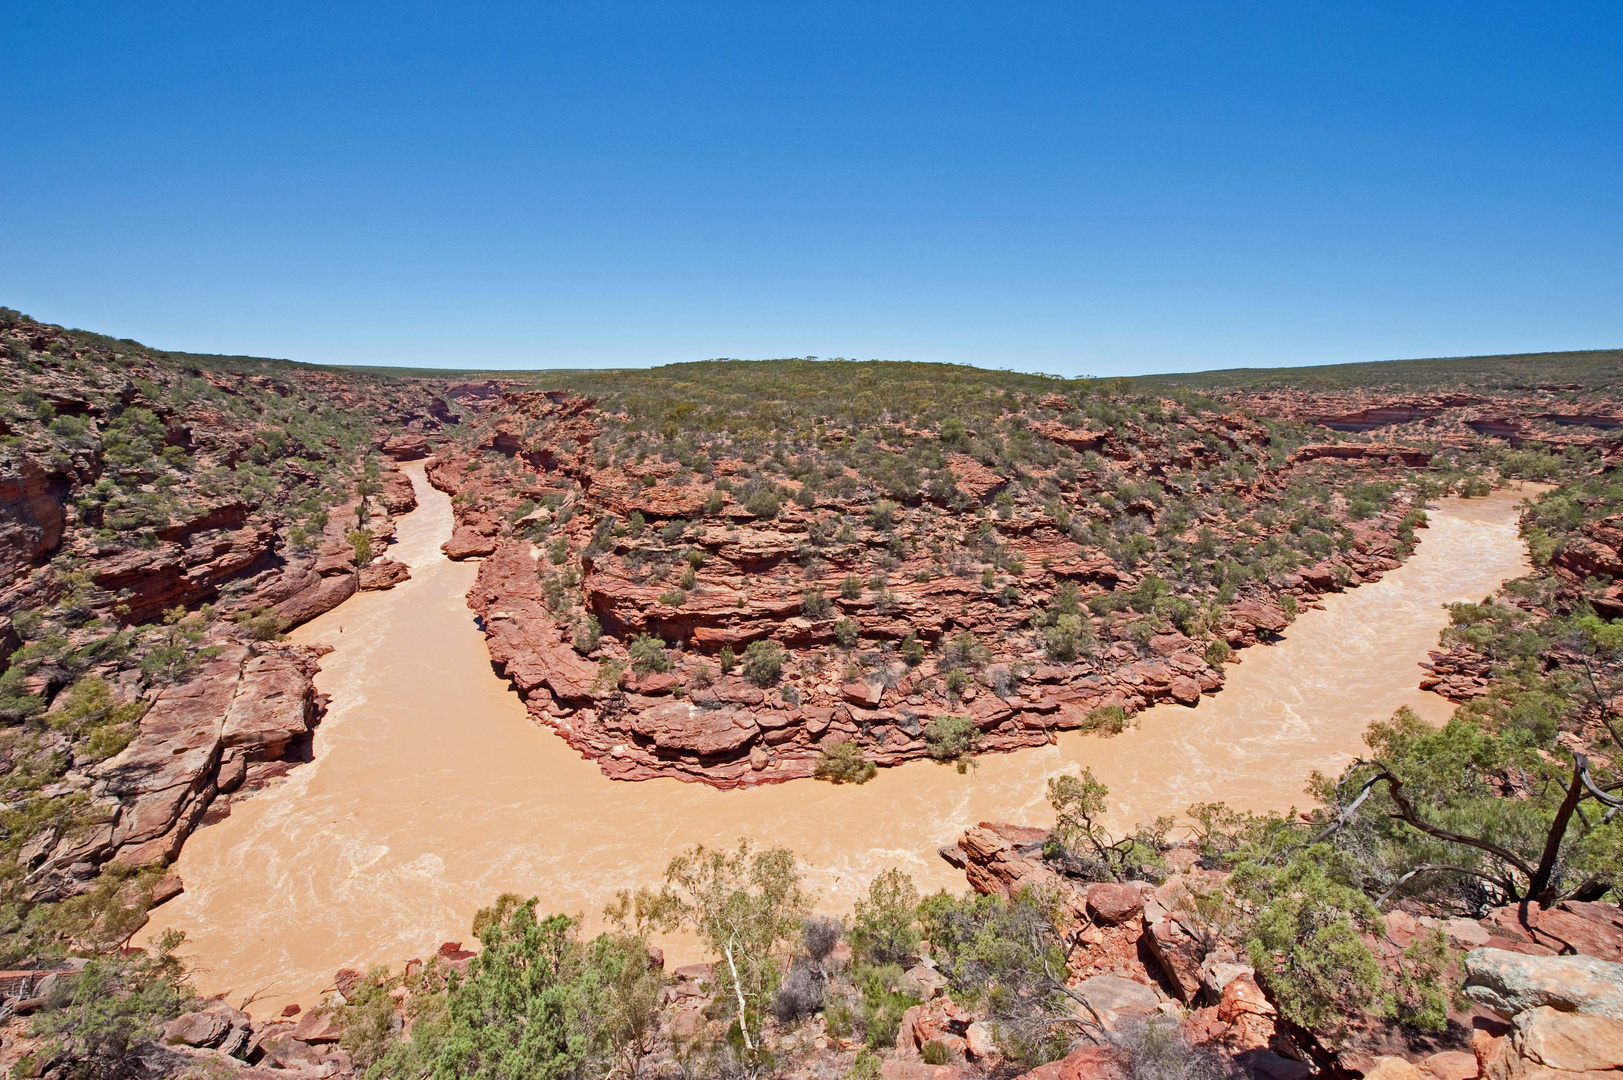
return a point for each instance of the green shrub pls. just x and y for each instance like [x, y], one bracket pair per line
[951, 737]
[112, 1006]
[1305, 940]
[1067, 638]
[367, 1017]
[866, 1065]
[262, 624]
[648, 655]
[1005, 955]
[813, 604]
[588, 634]
[105, 742]
[1141, 631]
[839, 1020]
[885, 997]
[843, 763]
[1105, 603]
[1106, 720]
[537, 1002]
[608, 675]
[89, 704]
[845, 632]
[765, 502]
[964, 652]
[763, 662]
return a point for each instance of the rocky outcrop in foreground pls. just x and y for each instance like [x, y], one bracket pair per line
[1545, 990]
[1545, 985]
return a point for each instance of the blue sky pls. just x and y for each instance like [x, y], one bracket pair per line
[1073, 188]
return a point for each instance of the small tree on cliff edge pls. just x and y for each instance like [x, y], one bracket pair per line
[748, 906]
[362, 542]
[1079, 810]
[883, 925]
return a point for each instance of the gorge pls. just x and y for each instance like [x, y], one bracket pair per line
[431, 790]
[309, 677]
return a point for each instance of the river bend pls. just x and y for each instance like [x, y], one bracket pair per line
[432, 791]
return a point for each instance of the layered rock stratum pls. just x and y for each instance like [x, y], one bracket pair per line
[926, 577]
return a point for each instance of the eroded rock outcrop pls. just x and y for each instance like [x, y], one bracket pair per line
[244, 706]
[1511, 983]
[162, 520]
[1141, 948]
[1566, 1014]
[585, 553]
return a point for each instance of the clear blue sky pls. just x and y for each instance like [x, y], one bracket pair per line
[1074, 188]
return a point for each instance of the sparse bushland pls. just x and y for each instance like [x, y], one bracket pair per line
[586, 1006]
[98, 1021]
[1517, 796]
[1591, 369]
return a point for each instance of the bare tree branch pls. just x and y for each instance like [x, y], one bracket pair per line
[1351, 808]
[1594, 789]
[1059, 984]
[738, 988]
[1407, 812]
[1617, 740]
[1400, 882]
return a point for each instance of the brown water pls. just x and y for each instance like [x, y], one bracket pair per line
[432, 791]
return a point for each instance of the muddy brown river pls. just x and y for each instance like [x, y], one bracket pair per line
[432, 791]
